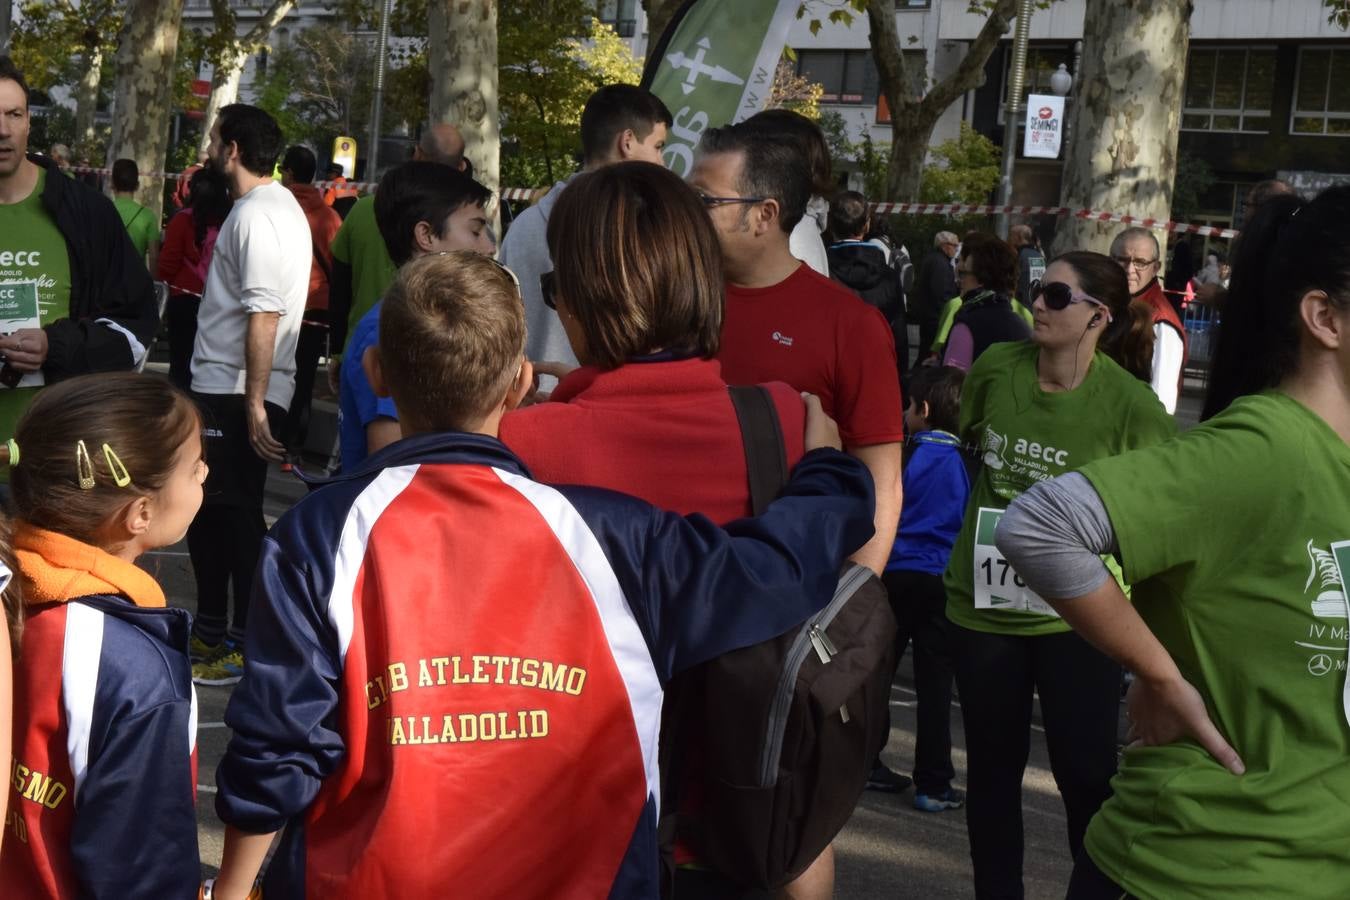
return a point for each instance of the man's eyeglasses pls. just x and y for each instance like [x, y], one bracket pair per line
[710, 202]
[546, 289]
[1058, 295]
[1127, 262]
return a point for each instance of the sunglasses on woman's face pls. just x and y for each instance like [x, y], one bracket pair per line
[1058, 295]
[546, 289]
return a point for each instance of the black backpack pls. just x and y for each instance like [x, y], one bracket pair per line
[787, 730]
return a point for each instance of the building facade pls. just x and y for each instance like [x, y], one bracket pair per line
[1267, 90]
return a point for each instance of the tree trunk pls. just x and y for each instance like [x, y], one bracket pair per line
[146, 50]
[86, 96]
[915, 110]
[1127, 117]
[224, 91]
[911, 132]
[462, 56]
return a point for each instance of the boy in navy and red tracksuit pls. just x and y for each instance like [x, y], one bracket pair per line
[104, 732]
[455, 673]
[937, 487]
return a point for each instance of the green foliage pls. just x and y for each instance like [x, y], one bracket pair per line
[964, 169]
[552, 55]
[1338, 13]
[1194, 178]
[50, 40]
[320, 86]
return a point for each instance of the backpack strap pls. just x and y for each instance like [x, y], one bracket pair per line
[762, 435]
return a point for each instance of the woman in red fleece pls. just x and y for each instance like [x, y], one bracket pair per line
[103, 777]
[638, 285]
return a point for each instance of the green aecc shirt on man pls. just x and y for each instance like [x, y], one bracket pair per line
[32, 249]
[358, 244]
[1227, 535]
[1024, 435]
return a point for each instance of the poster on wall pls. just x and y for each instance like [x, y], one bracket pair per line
[1045, 126]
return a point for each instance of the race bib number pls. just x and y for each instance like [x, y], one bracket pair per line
[997, 585]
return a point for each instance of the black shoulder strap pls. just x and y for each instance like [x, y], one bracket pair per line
[765, 456]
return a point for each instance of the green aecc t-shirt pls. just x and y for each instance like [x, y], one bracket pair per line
[1227, 536]
[1026, 435]
[32, 249]
[358, 244]
[139, 222]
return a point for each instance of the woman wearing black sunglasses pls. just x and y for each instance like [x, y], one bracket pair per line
[1034, 410]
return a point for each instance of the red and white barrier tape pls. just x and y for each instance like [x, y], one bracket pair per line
[961, 209]
[917, 209]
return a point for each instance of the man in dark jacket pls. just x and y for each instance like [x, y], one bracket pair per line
[71, 278]
[864, 267]
[936, 285]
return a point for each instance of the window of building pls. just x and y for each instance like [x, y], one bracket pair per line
[621, 14]
[1042, 62]
[913, 4]
[1229, 89]
[1322, 93]
[848, 76]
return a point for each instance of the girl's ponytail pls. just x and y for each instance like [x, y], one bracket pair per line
[1129, 340]
[1258, 337]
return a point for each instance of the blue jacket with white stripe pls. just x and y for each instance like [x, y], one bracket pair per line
[454, 673]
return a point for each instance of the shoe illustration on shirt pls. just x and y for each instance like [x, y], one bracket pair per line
[994, 446]
[1330, 601]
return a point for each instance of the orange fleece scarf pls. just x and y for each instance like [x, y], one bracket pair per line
[54, 568]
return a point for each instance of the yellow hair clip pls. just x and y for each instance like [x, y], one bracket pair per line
[84, 466]
[13, 447]
[121, 477]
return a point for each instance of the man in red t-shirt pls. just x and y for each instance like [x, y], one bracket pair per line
[785, 322]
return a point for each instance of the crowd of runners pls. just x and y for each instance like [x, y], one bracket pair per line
[570, 618]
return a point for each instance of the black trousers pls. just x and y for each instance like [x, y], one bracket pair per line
[225, 539]
[312, 342]
[1091, 883]
[1079, 691]
[920, 605]
[181, 318]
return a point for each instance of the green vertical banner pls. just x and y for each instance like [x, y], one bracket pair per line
[714, 65]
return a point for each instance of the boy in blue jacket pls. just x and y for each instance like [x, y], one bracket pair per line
[937, 487]
[455, 673]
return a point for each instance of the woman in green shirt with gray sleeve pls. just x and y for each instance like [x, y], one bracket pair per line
[1236, 538]
[1037, 409]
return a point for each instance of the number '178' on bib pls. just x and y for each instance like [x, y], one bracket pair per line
[997, 585]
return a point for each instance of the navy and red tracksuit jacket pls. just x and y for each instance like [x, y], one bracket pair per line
[103, 786]
[454, 673]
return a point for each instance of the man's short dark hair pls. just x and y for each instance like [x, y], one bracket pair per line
[300, 162]
[421, 191]
[11, 72]
[940, 388]
[255, 132]
[125, 176]
[771, 168]
[614, 109]
[334, 170]
[848, 215]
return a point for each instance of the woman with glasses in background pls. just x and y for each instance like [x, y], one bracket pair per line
[1033, 410]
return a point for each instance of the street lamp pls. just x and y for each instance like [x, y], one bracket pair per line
[1061, 82]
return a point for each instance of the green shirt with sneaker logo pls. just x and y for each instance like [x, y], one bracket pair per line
[1230, 535]
[32, 251]
[1024, 435]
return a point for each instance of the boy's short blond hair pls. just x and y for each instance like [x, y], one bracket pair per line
[452, 339]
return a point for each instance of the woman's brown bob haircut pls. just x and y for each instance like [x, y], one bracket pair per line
[637, 263]
[144, 420]
[452, 338]
[993, 262]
